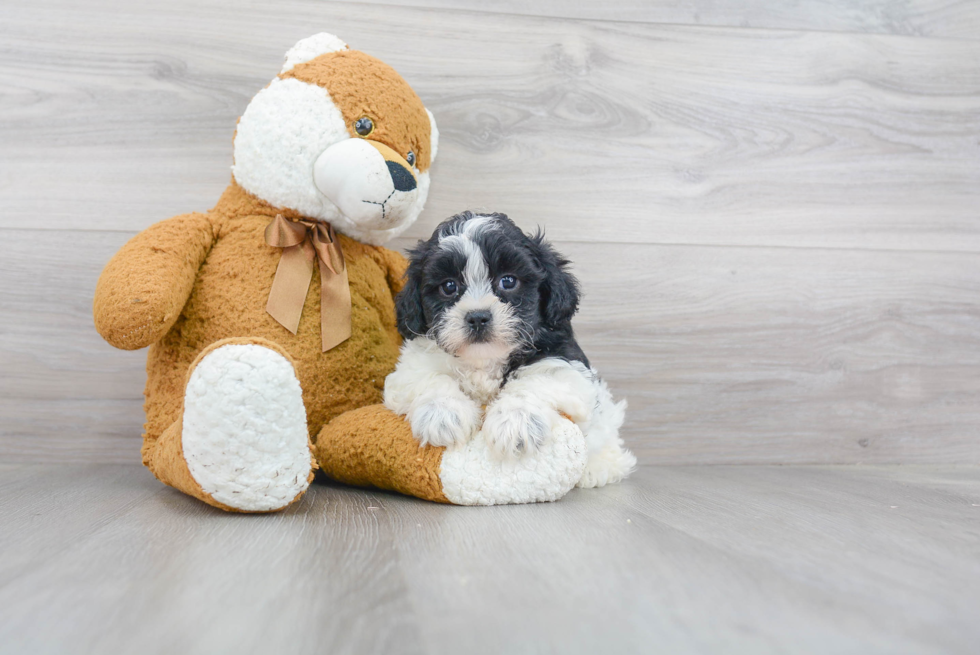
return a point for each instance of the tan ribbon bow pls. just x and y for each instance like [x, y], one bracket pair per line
[302, 242]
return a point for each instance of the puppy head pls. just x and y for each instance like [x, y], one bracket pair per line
[485, 290]
[341, 137]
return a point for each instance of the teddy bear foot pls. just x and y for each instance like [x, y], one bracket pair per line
[373, 446]
[244, 432]
[242, 444]
[474, 474]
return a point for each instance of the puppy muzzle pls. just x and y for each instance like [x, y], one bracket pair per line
[368, 181]
[480, 326]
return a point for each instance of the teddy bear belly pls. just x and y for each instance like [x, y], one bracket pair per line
[348, 376]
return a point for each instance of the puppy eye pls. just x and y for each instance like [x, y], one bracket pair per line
[507, 282]
[448, 288]
[364, 126]
[410, 158]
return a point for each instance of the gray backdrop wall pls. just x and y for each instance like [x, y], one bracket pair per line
[775, 214]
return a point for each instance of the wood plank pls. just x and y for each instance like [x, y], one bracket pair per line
[75, 503]
[819, 526]
[166, 574]
[936, 18]
[599, 130]
[733, 355]
[665, 583]
[692, 559]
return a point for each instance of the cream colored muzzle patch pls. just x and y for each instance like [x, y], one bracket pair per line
[368, 181]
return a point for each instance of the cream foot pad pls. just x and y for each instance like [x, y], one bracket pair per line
[244, 431]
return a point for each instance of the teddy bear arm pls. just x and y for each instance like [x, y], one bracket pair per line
[145, 285]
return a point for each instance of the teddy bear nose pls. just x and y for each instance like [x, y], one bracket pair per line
[400, 177]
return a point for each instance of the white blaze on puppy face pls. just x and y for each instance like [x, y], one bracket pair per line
[452, 331]
[476, 274]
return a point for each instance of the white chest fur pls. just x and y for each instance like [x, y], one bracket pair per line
[478, 373]
[479, 369]
[481, 383]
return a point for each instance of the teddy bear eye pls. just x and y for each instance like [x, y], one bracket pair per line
[448, 288]
[410, 158]
[364, 126]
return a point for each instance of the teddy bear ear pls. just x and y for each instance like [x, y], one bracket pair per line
[311, 48]
[434, 137]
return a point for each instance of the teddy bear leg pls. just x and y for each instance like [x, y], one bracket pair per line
[473, 474]
[242, 443]
[373, 446]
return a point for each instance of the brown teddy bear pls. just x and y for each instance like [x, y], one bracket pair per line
[251, 352]
[331, 158]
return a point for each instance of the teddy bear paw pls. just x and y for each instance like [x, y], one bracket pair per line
[244, 435]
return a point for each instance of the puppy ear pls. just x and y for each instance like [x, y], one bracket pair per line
[560, 289]
[408, 303]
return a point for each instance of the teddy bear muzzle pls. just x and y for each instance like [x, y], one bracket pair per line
[368, 181]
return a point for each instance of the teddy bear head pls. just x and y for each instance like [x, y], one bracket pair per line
[338, 136]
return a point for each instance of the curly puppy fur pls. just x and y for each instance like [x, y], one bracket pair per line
[486, 314]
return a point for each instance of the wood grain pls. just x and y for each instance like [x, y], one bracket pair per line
[769, 355]
[320, 581]
[937, 18]
[599, 130]
[776, 230]
[739, 355]
[690, 559]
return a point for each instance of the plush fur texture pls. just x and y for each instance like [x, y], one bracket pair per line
[169, 461]
[244, 428]
[486, 313]
[360, 85]
[226, 286]
[374, 447]
[311, 48]
[305, 121]
[472, 475]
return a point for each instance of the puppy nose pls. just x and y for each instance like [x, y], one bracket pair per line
[478, 319]
[400, 176]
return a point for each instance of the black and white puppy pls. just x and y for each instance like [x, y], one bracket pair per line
[486, 314]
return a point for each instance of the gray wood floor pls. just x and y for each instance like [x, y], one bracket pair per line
[104, 559]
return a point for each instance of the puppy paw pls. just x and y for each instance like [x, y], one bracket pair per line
[512, 429]
[445, 422]
[577, 408]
